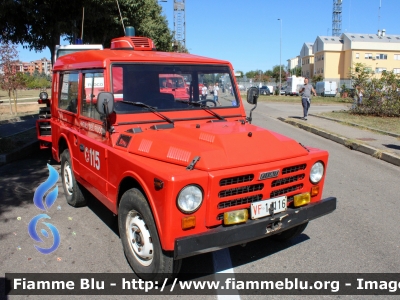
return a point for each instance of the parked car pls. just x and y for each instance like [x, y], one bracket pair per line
[283, 90]
[264, 90]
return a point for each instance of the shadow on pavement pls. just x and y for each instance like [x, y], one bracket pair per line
[391, 146]
[262, 248]
[20, 180]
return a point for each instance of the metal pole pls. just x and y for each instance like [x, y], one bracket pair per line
[280, 59]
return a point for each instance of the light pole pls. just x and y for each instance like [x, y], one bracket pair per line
[280, 59]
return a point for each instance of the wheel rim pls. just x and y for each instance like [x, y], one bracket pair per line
[139, 238]
[69, 185]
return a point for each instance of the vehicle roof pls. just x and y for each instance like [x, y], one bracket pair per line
[100, 58]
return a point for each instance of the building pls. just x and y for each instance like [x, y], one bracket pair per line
[332, 56]
[41, 66]
[293, 63]
[307, 60]
[328, 54]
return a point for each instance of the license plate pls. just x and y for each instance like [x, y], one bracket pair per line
[263, 208]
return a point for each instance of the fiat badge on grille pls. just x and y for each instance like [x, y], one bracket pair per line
[270, 174]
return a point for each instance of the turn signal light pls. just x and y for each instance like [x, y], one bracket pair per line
[188, 222]
[314, 190]
[236, 217]
[302, 199]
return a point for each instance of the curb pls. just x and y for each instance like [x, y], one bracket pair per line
[359, 126]
[351, 144]
[20, 153]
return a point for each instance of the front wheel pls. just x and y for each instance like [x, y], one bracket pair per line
[290, 233]
[140, 239]
[72, 189]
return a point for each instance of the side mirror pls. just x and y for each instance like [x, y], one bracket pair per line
[105, 103]
[252, 95]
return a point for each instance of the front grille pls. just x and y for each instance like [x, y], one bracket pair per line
[241, 190]
[287, 180]
[286, 190]
[240, 201]
[237, 179]
[293, 169]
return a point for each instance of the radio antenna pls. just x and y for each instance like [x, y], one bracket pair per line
[83, 20]
[122, 21]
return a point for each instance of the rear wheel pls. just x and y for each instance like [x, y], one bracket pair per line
[140, 239]
[72, 189]
[290, 233]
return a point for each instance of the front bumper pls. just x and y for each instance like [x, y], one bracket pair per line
[223, 237]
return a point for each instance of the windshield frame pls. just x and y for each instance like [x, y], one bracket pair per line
[180, 69]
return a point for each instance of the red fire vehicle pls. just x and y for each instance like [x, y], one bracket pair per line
[174, 84]
[184, 177]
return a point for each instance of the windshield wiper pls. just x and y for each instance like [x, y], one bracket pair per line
[203, 106]
[151, 108]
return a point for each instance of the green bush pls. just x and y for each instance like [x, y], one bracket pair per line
[381, 95]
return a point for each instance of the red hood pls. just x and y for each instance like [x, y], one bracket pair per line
[219, 145]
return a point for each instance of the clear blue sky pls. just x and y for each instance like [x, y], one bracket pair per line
[247, 33]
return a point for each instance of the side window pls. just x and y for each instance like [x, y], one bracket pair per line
[68, 99]
[117, 80]
[93, 84]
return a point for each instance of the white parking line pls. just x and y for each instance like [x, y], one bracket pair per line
[223, 264]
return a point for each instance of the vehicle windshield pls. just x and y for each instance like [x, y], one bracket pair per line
[171, 87]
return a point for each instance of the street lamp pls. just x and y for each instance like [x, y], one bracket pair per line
[280, 58]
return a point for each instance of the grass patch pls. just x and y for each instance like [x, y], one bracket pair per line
[21, 94]
[380, 123]
[12, 143]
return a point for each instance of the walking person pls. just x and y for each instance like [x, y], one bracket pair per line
[204, 92]
[306, 92]
[216, 90]
[360, 94]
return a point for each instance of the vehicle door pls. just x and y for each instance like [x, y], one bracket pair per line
[66, 121]
[93, 141]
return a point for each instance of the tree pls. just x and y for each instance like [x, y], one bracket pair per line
[179, 47]
[251, 74]
[296, 71]
[275, 73]
[360, 74]
[8, 73]
[380, 94]
[39, 24]
[317, 78]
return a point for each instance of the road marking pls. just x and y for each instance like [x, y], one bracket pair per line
[223, 264]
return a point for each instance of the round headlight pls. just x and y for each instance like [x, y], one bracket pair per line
[317, 171]
[190, 199]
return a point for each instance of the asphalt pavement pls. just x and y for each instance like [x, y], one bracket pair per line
[17, 125]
